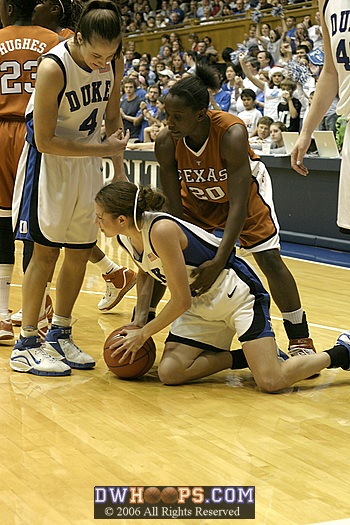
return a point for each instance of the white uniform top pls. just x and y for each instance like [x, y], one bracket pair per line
[54, 195]
[83, 99]
[235, 303]
[337, 18]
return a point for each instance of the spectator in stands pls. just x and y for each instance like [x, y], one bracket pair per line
[177, 9]
[161, 21]
[206, 14]
[165, 40]
[128, 58]
[202, 47]
[286, 53]
[250, 115]
[315, 32]
[265, 30]
[140, 91]
[190, 61]
[253, 65]
[192, 12]
[226, 10]
[159, 67]
[272, 90]
[265, 60]
[232, 87]
[174, 18]
[212, 57]
[193, 40]
[291, 26]
[178, 66]
[148, 110]
[301, 51]
[261, 134]
[151, 22]
[219, 99]
[147, 73]
[250, 37]
[290, 107]
[165, 75]
[177, 48]
[239, 9]
[264, 4]
[200, 10]
[277, 143]
[167, 52]
[301, 36]
[129, 107]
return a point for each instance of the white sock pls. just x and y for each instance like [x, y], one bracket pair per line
[295, 317]
[63, 322]
[106, 265]
[29, 331]
[5, 283]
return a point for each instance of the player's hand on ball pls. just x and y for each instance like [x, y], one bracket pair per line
[128, 344]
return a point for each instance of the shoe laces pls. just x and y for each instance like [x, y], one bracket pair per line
[40, 351]
[298, 350]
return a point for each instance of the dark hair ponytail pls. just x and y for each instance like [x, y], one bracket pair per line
[193, 89]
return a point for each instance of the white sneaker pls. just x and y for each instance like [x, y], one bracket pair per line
[118, 283]
[29, 356]
[17, 318]
[59, 342]
[6, 332]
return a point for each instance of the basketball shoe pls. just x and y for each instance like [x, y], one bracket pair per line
[302, 346]
[118, 283]
[6, 332]
[344, 340]
[17, 317]
[29, 356]
[59, 342]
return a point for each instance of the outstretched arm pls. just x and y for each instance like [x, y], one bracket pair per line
[326, 91]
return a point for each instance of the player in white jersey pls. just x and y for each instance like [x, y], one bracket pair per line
[334, 80]
[58, 176]
[168, 249]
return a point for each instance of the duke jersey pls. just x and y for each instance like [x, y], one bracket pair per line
[204, 189]
[337, 18]
[236, 302]
[20, 48]
[54, 195]
[83, 100]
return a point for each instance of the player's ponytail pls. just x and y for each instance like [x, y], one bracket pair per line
[193, 89]
[125, 198]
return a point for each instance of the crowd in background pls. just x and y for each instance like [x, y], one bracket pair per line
[268, 80]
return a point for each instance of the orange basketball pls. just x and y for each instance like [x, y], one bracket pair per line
[144, 358]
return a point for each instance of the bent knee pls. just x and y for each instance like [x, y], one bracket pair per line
[169, 373]
[270, 384]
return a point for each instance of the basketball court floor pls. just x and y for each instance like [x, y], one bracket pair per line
[61, 437]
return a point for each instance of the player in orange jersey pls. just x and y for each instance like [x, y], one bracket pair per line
[21, 44]
[213, 179]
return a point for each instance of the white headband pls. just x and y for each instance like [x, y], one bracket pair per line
[135, 209]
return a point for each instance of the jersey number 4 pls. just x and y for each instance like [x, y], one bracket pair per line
[12, 74]
[341, 54]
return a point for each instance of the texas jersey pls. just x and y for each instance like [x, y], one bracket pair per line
[20, 48]
[204, 188]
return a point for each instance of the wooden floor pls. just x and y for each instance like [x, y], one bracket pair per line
[60, 437]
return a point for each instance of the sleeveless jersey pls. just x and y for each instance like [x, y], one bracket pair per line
[20, 48]
[204, 189]
[202, 246]
[337, 18]
[83, 100]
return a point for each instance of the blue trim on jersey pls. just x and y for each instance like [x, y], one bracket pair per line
[197, 252]
[33, 159]
[59, 62]
[324, 7]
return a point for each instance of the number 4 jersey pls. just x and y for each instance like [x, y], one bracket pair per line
[53, 200]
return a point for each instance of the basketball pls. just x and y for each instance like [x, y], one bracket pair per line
[169, 495]
[152, 495]
[144, 358]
